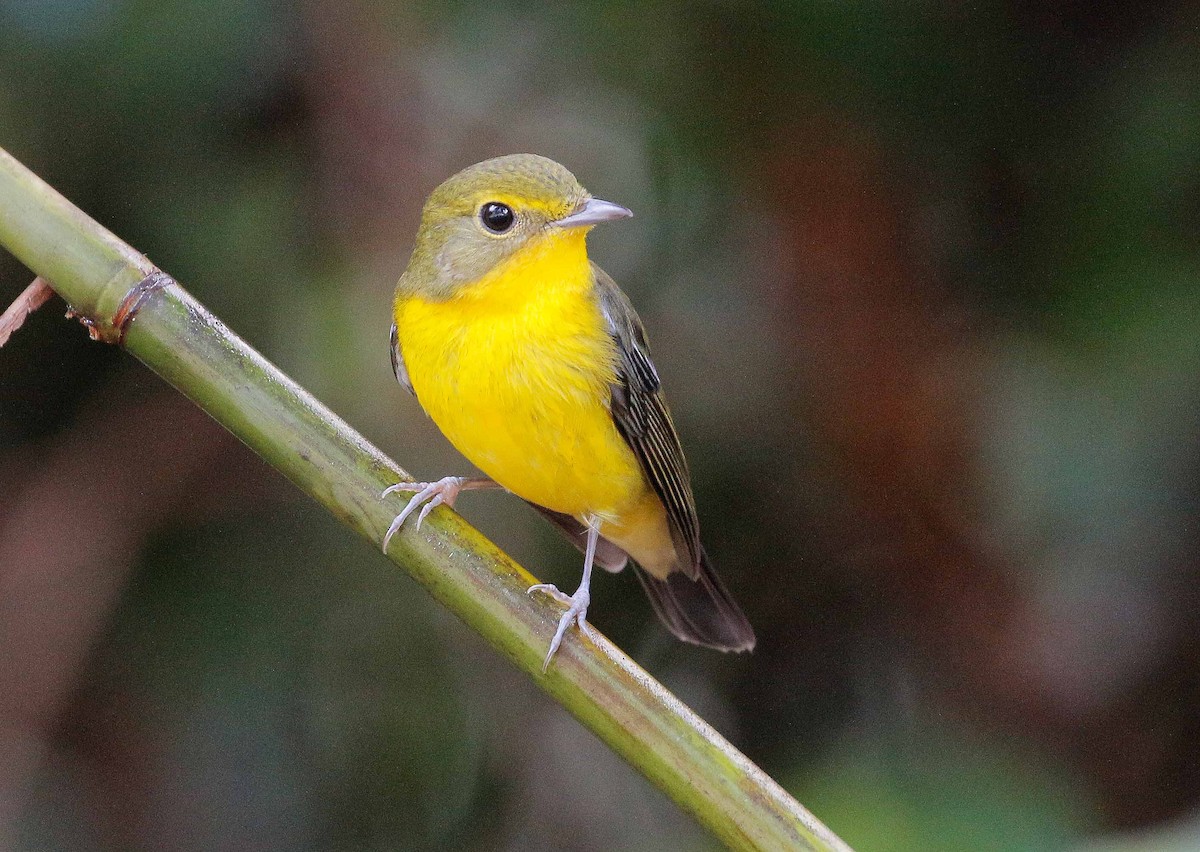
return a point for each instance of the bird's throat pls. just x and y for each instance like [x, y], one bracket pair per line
[553, 265]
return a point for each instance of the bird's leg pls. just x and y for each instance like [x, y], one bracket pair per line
[433, 494]
[577, 603]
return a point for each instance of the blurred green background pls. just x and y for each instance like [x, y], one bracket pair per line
[923, 282]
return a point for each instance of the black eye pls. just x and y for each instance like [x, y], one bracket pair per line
[496, 217]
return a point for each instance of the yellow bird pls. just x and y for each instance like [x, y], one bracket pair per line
[535, 366]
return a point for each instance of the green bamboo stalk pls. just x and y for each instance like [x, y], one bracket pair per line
[190, 348]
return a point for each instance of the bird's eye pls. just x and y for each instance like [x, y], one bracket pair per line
[496, 217]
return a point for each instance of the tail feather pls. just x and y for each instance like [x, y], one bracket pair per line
[699, 611]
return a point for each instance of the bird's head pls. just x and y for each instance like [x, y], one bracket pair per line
[488, 212]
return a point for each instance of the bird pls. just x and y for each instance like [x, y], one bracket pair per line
[535, 366]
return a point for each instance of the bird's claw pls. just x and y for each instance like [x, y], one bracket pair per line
[551, 590]
[429, 496]
[577, 605]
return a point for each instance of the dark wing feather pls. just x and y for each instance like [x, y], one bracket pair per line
[694, 604]
[641, 416]
[398, 366]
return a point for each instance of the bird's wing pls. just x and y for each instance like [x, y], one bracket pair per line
[398, 367]
[641, 416]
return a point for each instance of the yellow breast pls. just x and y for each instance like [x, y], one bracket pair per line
[515, 370]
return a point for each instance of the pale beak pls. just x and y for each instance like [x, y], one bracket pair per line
[593, 212]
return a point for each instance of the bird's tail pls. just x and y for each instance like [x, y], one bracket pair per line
[700, 610]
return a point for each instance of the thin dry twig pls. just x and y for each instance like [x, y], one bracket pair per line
[31, 298]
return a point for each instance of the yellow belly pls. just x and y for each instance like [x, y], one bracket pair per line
[515, 371]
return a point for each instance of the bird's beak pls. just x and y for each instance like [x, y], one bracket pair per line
[593, 212]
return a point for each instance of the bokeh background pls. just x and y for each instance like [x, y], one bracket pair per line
[922, 279]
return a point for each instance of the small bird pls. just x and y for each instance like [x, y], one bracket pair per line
[536, 368]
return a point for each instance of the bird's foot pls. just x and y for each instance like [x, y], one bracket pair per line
[432, 494]
[577, 605]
